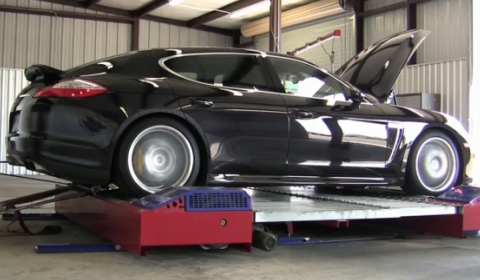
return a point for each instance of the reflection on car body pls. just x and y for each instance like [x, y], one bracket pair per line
[235, 117]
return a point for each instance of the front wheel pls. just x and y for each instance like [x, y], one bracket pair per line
[156, 153]
[433, 166]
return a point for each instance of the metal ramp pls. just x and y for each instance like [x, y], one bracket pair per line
[309, 204]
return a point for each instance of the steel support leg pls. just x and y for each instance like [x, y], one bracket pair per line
[275, 26]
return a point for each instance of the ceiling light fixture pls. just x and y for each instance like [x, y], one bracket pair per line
[253, 8]
[175, 2]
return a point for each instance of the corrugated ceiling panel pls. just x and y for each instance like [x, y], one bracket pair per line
[11, 83]
[449, 21]
[449, 78]
[380, 26]
[161, 35]
[297, 36]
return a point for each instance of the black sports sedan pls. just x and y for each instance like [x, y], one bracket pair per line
[235, 117]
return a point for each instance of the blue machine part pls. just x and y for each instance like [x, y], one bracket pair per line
[218, 200]
[161, 198]
[199, 199]
[462, 194]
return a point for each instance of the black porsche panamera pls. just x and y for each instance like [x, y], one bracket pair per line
[229, 117]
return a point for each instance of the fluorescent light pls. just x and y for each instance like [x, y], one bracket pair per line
[250, 9]
[175, 2]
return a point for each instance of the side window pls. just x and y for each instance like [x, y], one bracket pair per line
[304, 80]
[240, 71]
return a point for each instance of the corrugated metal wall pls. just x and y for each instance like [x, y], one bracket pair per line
[380, 26]
[158, 35]
[297, 36]
[11, 82]
[449, 78]
[58, 42]
[64, 43]
[449, 21]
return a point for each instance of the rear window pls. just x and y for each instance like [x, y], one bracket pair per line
[138, 64]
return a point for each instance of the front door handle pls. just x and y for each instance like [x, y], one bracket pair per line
[302, 114]
[201, 102]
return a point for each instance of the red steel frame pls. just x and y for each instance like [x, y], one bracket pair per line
[135, 229]
[456, 226]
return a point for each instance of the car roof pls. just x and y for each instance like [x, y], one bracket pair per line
[206, 49]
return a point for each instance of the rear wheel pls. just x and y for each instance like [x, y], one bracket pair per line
[433, 166]
[156, 153]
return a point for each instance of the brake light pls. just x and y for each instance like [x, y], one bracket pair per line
[72, 89]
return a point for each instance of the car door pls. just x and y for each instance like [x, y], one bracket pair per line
[227, 95]
[330, 137]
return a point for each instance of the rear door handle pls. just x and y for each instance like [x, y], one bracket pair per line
[302, 114]
[201, 102]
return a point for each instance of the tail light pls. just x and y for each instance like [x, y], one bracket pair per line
[72, 89]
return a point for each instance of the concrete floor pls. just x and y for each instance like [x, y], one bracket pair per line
[432, 258]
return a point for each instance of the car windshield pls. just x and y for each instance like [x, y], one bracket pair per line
[330, 87]
[370, 98]
[354, 88]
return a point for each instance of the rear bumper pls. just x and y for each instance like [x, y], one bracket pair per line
[61, 138]
[22, 152]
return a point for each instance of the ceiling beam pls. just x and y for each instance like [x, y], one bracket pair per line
[176, 22]
[127, 14]
[89, 3]
[210, 16]
[389, 8]
[64, 14]
[149, 7]
[98, 8]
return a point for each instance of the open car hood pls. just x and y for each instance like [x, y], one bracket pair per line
[376, 69]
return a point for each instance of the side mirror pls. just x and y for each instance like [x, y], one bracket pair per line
[357, 99]
[355, 104]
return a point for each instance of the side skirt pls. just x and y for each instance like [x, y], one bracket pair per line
[222, 179]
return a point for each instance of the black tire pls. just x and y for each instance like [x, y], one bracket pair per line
[417, 181]
[133, 184]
